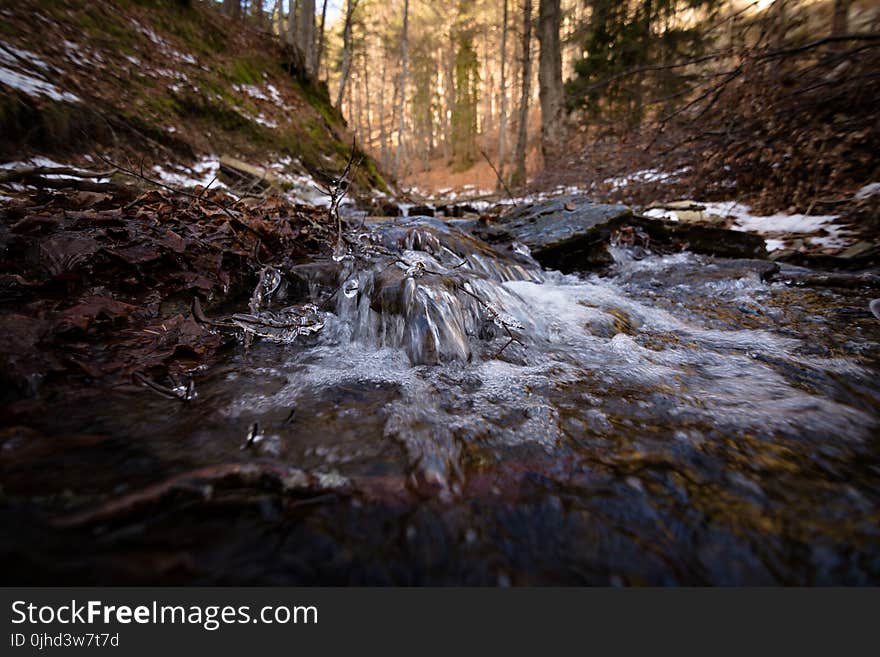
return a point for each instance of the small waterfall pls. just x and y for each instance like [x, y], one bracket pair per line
[432, 290]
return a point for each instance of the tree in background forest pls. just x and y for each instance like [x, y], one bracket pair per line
[467, 93]
[550, 76]
[623, 36]
[428, 85]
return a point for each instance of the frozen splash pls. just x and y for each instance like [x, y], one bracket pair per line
[469, 350]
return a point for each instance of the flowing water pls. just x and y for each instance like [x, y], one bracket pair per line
[474, 419]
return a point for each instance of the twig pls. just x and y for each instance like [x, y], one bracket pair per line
[500, 179]
[141, 176]
[337, 189]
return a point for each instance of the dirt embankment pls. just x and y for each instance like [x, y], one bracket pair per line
[160, 82]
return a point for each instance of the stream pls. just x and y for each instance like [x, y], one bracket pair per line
[471, 418]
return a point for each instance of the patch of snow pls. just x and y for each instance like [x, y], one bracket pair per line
[16, 57]
[168, 73]
[199, 174]
[868, 190]
[775, 223]
[182, 56]
[80, 57]
[661, 213]
[774, 226]
[164, 47]
[263, 120]
[38, 161]
[270, 94]
[34, 86]
[834, 240]
[644, 175]
[12, 61]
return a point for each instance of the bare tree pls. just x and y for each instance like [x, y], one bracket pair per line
[232, 8]
[291, 22]
[383, 132]
[550, 78]
[346, 52]
[502, 119]
[275, 19]
[402, 98]
[369, 102]
[305, 35]
[257, 12]
[519, 164]
[320, 55]
[840, 19]
[778, 24]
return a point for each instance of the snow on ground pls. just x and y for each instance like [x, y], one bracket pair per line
[45, 162]
[82, 57]
[300, 186]
[777, 226]
[38, 161]
[201, 173]
[871, 189]
[13, 73]
[645, 175]
[269, 94]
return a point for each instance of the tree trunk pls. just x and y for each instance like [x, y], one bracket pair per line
[550, 79]
[346, 53]
[369, 140]
[257, 12]
[519, 173]
[320, 55]
[502, 119]
[232, 8]
[840, 20]
[383, 132]
[276, 19]
[449, 95]
[402, 99]
[306, 36]
[291, 23]
[778, 24]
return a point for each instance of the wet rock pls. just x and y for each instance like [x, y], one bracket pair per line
[456, 211]
[566, 233]
[570, 233]
[851, 259]
[386, 209]
[690, 212]
[421, 211]
[860, 249]
[705, 240]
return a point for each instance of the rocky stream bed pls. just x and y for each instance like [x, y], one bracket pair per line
[565, 394]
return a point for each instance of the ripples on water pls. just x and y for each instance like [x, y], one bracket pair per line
[677, 420]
